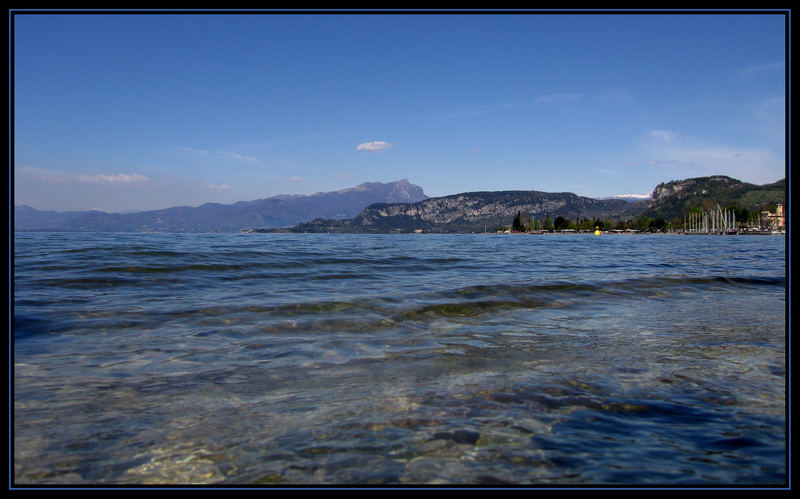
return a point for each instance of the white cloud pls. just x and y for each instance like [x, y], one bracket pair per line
[298, 180]
[376, 146]
[54, 176]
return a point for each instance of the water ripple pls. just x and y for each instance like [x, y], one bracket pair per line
[398, 359]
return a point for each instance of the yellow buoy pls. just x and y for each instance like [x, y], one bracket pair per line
[597, 231]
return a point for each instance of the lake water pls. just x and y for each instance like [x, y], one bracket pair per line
[399, 359]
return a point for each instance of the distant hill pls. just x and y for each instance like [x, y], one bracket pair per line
[402, 206]
[479, 211]
[672, 200]
[277, 211]
[474, 212]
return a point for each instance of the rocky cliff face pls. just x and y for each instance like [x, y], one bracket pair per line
[682, 189]
[404, 191]
[484, 206]
[673, 199]
[473, 211]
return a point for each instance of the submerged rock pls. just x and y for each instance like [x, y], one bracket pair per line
[458, 436]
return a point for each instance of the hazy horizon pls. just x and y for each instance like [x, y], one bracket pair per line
[616, 196]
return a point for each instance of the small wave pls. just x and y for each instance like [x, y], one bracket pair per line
[380, 312]
[160, 269]
[462, 309]
[482, 299]
[27, 326]
[92, 282]
[160, 253]
[753, 280]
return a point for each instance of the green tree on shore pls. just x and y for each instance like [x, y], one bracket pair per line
[516, 225]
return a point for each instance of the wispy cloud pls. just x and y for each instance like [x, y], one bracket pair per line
[223, 154]
[54, 176]
[757, 69]
[772, 109]
[376, 146]
[343, 174]
[504, 106]
[683, 157]
[199, 152]
[553, 98]
[119, 178]
[721, 156]
[216, 187]
[490, 108]
[240, 157]
[663, 136]
[663, 162]
[770, 119]
[44, 175]
[298, 180]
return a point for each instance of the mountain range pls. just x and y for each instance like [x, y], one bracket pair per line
[473, 212]
[402, 206]
[276, 211]
[482, 211]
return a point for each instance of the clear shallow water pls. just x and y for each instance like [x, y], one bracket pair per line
[398, 359]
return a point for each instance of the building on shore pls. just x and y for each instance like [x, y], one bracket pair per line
[773, 220]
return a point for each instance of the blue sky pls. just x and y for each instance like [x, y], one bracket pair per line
[124, 112]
